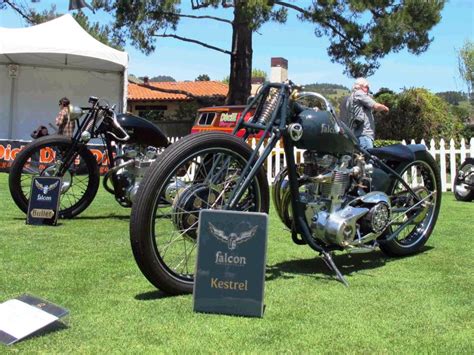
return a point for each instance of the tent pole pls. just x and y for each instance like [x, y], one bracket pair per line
[124, 91]
[12, 106]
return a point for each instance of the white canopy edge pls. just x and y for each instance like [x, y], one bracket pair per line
[62, 43]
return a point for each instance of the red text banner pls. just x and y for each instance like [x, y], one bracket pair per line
[10, 148]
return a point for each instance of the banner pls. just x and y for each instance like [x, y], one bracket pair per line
[10, 148]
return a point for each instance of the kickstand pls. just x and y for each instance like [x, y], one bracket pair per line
[327, 258]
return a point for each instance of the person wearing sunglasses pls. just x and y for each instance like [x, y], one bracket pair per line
[63, 121]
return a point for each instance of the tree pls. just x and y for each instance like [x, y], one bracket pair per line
[203, 77]
[259, 73]
[384, 90]
[417, 114]
[20, 8]
[102, 33]
[452, 97]
[466, 66]
[256, 73]
[162, 78]
[361, 32]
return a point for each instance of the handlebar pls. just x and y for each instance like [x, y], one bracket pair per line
[297, 95]
[117, 125]
[96, 107]
[318, 96]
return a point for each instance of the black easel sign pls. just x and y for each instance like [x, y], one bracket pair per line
[230, 271]
[43, 206]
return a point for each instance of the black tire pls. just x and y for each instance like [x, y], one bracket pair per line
[424, 177]
[80, 183]
[168, 187]
[460, 188]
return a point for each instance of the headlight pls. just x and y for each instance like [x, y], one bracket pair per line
[75, 112]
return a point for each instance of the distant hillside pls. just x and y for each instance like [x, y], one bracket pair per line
[334, 92]
[327, 89]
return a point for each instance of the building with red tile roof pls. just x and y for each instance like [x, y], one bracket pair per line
[199, 89]
[172, 110]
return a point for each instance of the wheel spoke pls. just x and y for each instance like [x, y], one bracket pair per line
[202, 181]
[74, 186]
[413, 221]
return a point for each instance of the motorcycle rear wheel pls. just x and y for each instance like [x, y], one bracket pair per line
[40, 158]
[460, 189]
[198, 172]
[424, 178]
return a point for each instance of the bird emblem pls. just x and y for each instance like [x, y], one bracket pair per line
[233, 238]
[46, 188]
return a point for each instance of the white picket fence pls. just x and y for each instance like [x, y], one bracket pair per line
[448, 155]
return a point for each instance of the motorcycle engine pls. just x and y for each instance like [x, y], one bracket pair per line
[339, 206]
[132, 161]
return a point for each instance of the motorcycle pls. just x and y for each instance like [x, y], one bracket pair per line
[132, 144]
[341, 198]
[463, 186]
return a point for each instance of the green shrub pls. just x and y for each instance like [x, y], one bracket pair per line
[416, 114]
[378, 143]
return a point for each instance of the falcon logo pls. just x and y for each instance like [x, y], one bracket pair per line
[46, 188]
[233, 238]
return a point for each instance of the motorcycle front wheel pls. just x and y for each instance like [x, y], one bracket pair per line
[198, 172]
[464, 191]
[42, 158]
[413, 223]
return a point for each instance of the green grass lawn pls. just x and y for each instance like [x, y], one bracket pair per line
[422, 303]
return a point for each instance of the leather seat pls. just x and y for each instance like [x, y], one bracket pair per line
[397, 152]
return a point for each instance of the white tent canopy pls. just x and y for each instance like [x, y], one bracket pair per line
[40, 64]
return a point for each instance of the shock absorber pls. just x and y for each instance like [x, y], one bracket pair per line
[270, 105]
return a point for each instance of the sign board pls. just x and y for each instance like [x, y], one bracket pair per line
[10, 148]
[25, 315]
[43, 206]
[230, 270]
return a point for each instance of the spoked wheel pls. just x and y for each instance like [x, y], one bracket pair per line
[199, 172]
[42, 158]
[413, 222]
[463, 186]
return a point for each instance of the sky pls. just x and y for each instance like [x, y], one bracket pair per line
[436, 69]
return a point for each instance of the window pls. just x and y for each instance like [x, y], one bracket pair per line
[206, 118]
[151, 113]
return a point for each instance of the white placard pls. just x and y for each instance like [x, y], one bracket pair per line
[19, 319]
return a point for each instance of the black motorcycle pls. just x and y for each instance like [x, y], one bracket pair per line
[463, 186]
[341, 197]
[132, 144]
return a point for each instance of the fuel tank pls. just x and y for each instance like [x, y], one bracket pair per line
[322, 134]
[142, 131]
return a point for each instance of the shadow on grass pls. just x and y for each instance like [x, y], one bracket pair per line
[153, 295]
[112, 216]
[347, 264]
[37, 225]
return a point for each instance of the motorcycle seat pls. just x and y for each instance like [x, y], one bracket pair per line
[396, 152]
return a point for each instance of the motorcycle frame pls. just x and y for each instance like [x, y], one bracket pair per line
[274, 130]
[89, 120]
